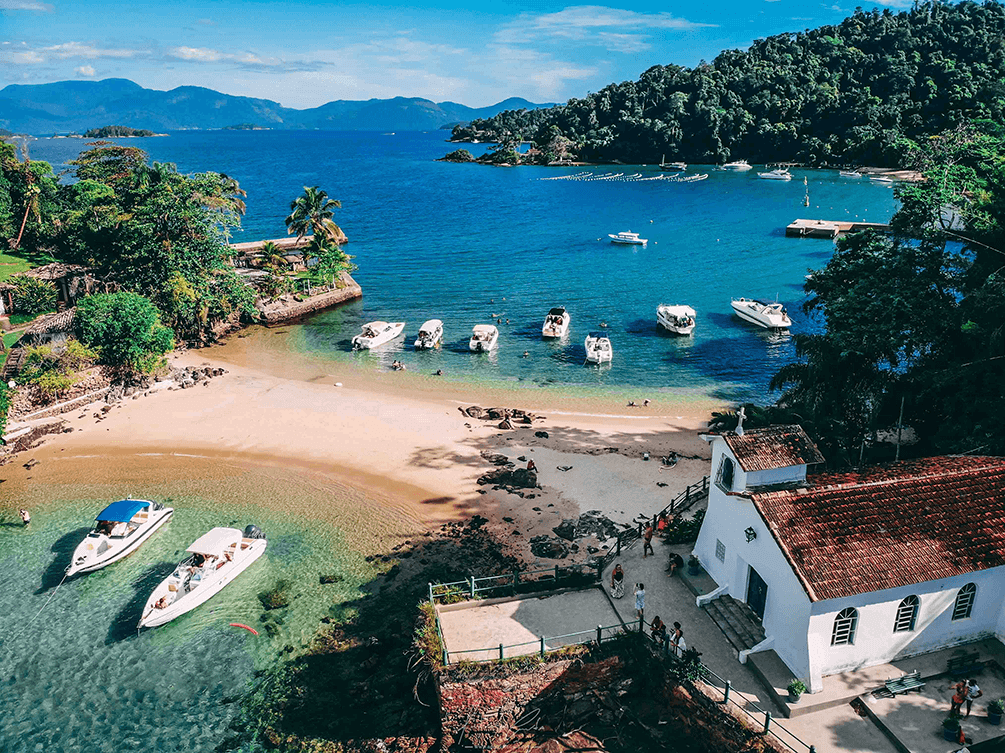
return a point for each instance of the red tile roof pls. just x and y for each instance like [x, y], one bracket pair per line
[773, 447]
[892, 525]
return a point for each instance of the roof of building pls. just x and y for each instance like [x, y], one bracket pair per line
[56, 271]
[772, 447]
[283, 244]
[52, 323]
[891, 525]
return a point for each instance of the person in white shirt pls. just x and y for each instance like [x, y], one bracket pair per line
[973, 693]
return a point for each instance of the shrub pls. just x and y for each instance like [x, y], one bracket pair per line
[426, 638]
[997, 706]
[796, 687]
[52, 370]
[32, 296]
[125, 328]
[951, 722]
[5, 398]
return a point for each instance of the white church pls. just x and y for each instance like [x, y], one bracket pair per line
[853, 569]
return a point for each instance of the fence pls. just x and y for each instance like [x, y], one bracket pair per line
[541, 646]
[515, 582]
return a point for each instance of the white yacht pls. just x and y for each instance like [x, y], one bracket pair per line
[676, 319]
[430, 335]
[780, 173]
[740, 165]
[121, 528]
[375, 334]
[850, 174]
[882, 179]
[556, 324]
[217, 557]
[762, 313]
[483, 338]
[598, 348]
[627, 238]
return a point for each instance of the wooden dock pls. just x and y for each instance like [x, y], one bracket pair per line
[830, 228]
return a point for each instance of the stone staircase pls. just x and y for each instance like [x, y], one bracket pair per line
[737, 621]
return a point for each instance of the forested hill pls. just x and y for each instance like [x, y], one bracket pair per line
[836, 94]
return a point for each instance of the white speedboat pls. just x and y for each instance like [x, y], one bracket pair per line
[121, 528]
[483, 338]
[740, 165]
[882, 179]
[556, 324]
[676, 319]
[850, 174]
[375, 334]
[780, 173]
[598, 348]
[627, 238]
[217, 557]
[430, 335]
[762, 313]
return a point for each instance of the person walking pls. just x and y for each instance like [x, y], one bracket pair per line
[647, 537]
[25, 517]
[617, 582]
[640, 600]
[973, 693]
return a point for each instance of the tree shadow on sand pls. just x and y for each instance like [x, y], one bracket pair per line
[124, 623]
[63, 549]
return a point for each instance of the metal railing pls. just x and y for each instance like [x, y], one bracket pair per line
[542, 645]
[512, 583]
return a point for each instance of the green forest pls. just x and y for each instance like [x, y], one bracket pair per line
[856, 93]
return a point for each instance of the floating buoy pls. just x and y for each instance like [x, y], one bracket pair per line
[249, 629]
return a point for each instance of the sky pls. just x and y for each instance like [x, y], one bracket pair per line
[303, 54]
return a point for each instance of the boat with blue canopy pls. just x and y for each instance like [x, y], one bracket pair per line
[121, 528]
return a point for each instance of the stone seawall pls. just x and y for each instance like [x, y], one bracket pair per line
[288, 307]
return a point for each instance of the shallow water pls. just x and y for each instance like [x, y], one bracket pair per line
[463, 242]
[80, 677]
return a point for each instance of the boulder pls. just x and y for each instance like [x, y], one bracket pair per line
[566, 530]
[547, 546]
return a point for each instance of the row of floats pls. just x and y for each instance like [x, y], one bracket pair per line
[677, 319]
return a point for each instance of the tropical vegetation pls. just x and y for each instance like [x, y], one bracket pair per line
[311, 213]
[30, 295]
[112, 132]
[125, 330]
[855, 92]
[53, 370]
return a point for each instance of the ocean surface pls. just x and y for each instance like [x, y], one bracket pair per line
[471, 244]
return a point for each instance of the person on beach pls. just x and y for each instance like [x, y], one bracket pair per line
[959, 696]
[640, 600]
[647, 538]
[659, 630]
[617, 582]
[531, 466]
[973, 693]
[25, 517]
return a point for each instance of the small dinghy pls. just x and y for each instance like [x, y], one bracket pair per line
[121, 528]
[217, 557]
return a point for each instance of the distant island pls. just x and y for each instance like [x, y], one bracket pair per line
[119, 132]
[859, 92]
[246, 127]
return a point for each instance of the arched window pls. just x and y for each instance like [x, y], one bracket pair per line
[964, 602]
[844, 627]
[726, 473]
[907, 615]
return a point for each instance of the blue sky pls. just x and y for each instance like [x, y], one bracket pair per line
[303, 54]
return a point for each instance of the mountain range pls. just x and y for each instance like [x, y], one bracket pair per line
[75, 106]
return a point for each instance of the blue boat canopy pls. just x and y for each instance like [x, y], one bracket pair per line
[122, 511]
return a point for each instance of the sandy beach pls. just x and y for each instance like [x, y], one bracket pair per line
[402, 443]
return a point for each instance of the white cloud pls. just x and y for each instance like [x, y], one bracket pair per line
[24, 5]
[895, 3]
[85, 71]
[207, 55]
[30, 57]
[87, 51]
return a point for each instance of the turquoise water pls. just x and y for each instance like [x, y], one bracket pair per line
[463, 242]
[80, 678]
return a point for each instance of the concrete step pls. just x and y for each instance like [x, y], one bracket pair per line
[737, 622]
[735, 640]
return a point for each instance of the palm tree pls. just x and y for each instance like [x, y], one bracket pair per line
[272, 256]
[311, 212]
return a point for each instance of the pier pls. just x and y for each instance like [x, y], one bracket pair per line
[830, 228]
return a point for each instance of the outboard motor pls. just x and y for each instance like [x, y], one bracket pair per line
[253, 532]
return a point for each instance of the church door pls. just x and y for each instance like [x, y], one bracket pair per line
[757, 593]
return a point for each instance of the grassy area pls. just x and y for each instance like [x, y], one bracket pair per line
[16, 319]
[14, 264]
[10, 338]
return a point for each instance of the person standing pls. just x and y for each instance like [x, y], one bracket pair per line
[959, 696]
[640, 600]
[677, 640]
[617, 582]
[973, 693]
[647, 537]
[25, 517]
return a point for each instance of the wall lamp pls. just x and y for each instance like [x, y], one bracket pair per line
[751, 534]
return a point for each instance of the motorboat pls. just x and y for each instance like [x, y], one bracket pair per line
[214, 560]
[678, 167]
[375, 334]
[676, 319]
[627, 238]
[850, 174]
[882, 179]
[740, 165]
[780, 173]
[598, 348]
[483, 338]
[762, 313]
[121, 528]
[430, 335]
[556, 324]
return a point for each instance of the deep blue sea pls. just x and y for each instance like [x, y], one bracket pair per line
[462, 243]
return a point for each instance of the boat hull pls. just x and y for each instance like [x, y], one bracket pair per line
[369, 343]
[752, 318]
[155, 617]
[595, 355]
[623, 242]
[114, 556]
[481, 346]
[674, 329]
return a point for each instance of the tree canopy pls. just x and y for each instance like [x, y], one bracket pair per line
[125, 329]
[845, 93]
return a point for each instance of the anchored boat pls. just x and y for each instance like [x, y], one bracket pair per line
[483, 338]
[762, 313]
[780, 173]
[121, 528]
[556, 324]
[676, 319]
[598, 348]
[430, 335]
[216, 558]
[739, 166]
[627, 238]
[375, 334]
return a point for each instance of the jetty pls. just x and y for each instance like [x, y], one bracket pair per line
[830, 228]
